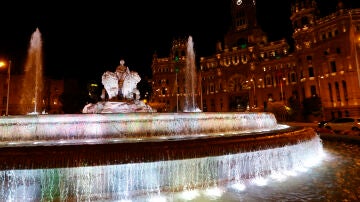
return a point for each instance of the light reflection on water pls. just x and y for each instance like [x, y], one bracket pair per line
[336, 179]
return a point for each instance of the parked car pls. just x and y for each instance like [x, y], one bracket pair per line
[322, 130]
[322, 123]
[344, 124]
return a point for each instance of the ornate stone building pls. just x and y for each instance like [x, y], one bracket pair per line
[327, 56]
[168, 81]
[248, 72]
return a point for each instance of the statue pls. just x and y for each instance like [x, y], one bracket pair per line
[123, 95]
[110, 82]
[129, 84]
[121, 84]
[121, 72]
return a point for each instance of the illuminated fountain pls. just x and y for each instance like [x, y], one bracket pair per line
[129, 155]
[31, 94]
[102, 155]
[190, 79]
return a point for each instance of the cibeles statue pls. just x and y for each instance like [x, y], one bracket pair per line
[121, 84]
[121, 94]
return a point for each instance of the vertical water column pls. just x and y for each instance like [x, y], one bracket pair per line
[31, 95]
[190, 78]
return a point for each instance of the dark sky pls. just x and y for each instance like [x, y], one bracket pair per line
[86, 39]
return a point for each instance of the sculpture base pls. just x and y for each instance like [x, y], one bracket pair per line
[117, 107]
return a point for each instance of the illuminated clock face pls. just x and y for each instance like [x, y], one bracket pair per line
[239, 2]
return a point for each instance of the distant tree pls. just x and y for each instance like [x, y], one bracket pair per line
[73, 103]
[94, 91]
[145, 88]
[312, 106]
[74, 98]
[295, 106]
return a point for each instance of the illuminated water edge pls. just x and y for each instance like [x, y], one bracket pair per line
[106, 140]
[253, 144]
[129, 125]
[161, 178]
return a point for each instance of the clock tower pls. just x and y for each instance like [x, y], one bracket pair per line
[244, 30]
[243, 14]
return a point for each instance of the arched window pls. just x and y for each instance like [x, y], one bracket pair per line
[268, 79]
[212, 87]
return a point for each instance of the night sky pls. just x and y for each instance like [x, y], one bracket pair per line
[84, 40]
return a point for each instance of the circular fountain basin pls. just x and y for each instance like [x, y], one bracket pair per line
[134, 150]
[135, 154]
[71, 140]
[129, 125]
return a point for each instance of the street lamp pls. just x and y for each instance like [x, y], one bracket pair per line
[255, 100]
[282, 94]
[319, 83]
[3, 64]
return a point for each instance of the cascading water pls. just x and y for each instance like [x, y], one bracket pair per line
[129, 181]
[54, 127]
[67, 157]
[190, 79]
[31, 95]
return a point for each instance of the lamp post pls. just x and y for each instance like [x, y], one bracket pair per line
[255, 101]
[8, 90]
[319, 83]
[283, 79]
[2, 64]
[176, 90]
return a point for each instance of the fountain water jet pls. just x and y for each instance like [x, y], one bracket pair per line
[190, 79]
[31, 95]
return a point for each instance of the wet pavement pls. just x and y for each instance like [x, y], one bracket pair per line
[325, 134]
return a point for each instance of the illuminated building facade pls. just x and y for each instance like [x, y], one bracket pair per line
[327, 52]
[248, 72]
[168, 81]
